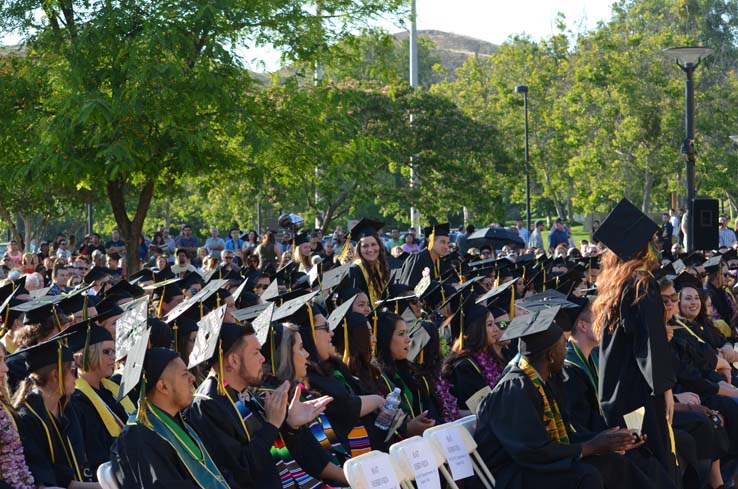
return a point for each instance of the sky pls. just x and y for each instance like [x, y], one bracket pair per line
[489, 20]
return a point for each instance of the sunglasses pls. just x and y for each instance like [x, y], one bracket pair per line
[228, 258]
[670, 298]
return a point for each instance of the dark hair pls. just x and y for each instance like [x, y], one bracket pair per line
[359, 361]
[386, 325]
[377, 275]
[475, 340]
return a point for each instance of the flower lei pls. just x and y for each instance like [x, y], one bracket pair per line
[449, 403]
[13, 466]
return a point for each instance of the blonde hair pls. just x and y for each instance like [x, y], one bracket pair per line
[94, 357]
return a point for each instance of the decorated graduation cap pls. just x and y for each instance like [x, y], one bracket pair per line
[199, 302]
[250, 313]
[569, 307]
[271, 291]
[536, 332]
[712, 265]
[338, 317]
[333, 277]
[130, 326]
[301, 312]
[214, 339]
[626, 230]
[266, 334]
[95, 274]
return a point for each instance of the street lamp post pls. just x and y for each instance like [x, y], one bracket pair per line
[524, 90]
[688, 58]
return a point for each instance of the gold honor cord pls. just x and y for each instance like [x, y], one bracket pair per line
[346, 354]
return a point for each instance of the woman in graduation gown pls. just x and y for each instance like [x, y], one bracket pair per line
[328, 375]
[14, 472]
[102, 418]
[473, 363]
[635, 361]
[393, 346]
[369, 272]
[51, 434]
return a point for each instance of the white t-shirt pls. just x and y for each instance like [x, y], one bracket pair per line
[675, 224]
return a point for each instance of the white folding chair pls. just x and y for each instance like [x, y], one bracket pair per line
[480, 468]
[400, 454]
[106, 477]
[469, 423]
[352, 468]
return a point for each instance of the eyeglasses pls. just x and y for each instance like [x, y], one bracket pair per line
[727, 275]
[323, 327]
[109, 352]
[670, 298]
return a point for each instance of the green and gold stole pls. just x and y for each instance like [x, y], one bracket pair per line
[551, 413]
[188, 447]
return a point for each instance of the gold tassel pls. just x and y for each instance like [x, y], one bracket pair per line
[432, 239]
[86, 351]
[512, 303]
[461, 275]
[346, 354]
[141, 416]
[497, 279]
[221, 381]
[161, 303]
[397, 307]
[422, 356]
[312, 324]
[85, 316]
[6, 326]
[461, 328]
[217, 300]
[202, 312]
[271, 350]
[175, 330]
[59, 368]
[544, 279]
[56, 317]
[374, 321]
[345, 250]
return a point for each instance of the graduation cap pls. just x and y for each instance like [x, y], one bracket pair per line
[694, 259]
[200, 300]
[569, 307]
[95, 273]
[291, 308]
[730, 255]
[82, 335]
[35, 294]
[679, 266]
[626, 230]
[133, 369]
[271, 292]
[536, 332]
[191, 278]
[77, 300]
[38, 310]
[216, 298]
[685, 279]
[333, 277]
[565, 283]
[502, 293]
[165, 273]
[143, 275]
[467, 312]
[249, 313]
[129, 326]
[419, 339]
[265, 334]
[713, 264]
[182, 329]
[50, 352]
[124, 289]
[300, 238]
[300, 311]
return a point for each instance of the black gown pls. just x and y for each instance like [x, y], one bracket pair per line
[144, 460]
[412, 268]
[581, 400]
[96, 437]
[720, 303]
[59, 469]
[513, 441]
[466, 380]
[635, 369]
[243, 462]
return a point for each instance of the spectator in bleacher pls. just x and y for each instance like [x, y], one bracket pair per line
[186, 241]
[115, 245]
[214, 244]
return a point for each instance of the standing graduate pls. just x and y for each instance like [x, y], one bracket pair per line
[430, 258]
[522, 433]
[369, 272]
[48, 426]
[157, 449]
[635, 360]
[102, 417]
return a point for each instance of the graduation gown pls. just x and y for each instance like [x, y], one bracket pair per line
[412, 268]
[635, 368]
[466, 380]
[143, 459]
[580, 388]
[513, 441]
[720, 303]
[53, 461]
[243, 459]
[96, 437]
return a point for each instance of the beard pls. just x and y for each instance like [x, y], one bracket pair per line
[250, 379]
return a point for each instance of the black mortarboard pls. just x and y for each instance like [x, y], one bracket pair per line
[43, 354]
[75, 301]
[686, 279]
[694, 259]
[536, 331]
[161, 334]
[214, 300]
[199, 301]
[365, 227]
[129, 326]
[339, 313]
[155, 362]
[168, 289]
[38, 310]
[143, 275]
[569, 308]
[730, 255]
[300, 239]
[85, 334]
[95, 273]
[191, 278]
[436, 230]
[124, 288]
[713, 264]
[565, 283]
[626, 230]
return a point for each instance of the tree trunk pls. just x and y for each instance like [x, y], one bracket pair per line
[647, 187]
[12, 225]
[130, 230]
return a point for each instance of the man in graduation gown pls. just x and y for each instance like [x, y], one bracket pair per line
[530, 444]
[239, 429]
[431, 258]
[157, 449]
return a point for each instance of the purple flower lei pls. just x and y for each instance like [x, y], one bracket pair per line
[489, 369]
[12, 462]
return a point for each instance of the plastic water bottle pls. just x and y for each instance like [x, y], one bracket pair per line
[384, 420]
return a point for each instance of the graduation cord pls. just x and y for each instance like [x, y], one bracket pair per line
[689, 330]
[403, 391]
[71, 458]
[5, 327]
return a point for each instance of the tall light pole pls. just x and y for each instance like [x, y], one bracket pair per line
[413, 85]
[524, 90]
[688, 58]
